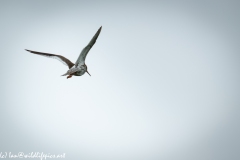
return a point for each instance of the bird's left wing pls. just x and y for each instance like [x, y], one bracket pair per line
[81, 59]
[55, 56]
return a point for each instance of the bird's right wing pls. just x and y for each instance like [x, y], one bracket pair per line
[81, 59]
[58, 57]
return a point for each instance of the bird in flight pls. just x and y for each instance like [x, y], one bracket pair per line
[79, 68]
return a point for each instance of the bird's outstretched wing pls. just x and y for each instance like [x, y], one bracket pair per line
[58, 57]
[81, 59]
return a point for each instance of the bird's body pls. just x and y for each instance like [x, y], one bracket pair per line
[79, 68]
[76, 71]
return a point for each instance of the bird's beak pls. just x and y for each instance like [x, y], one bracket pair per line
[89, 73]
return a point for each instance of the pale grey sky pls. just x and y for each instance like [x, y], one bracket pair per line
[164, 84]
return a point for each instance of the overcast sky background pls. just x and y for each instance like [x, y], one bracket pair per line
[164, 85]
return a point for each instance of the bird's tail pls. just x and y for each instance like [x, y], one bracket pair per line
[65, 74]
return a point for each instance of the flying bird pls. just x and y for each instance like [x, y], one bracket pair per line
[79, 68]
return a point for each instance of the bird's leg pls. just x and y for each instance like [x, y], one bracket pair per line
[69, 76]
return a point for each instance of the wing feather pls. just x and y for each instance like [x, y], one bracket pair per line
[81, 59]
[55, 56]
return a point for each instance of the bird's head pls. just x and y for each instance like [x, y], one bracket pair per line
[87, 70]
